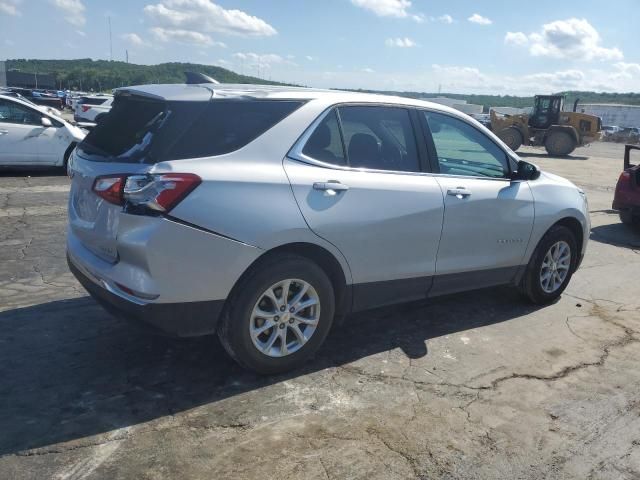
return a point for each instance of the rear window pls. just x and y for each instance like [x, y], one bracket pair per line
[150, 131]
[93, 101]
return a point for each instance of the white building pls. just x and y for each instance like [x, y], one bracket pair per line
[461, 105]
[613, 114]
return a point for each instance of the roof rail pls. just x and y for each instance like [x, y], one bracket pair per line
[197, 77]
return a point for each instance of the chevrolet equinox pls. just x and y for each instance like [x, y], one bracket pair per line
[262, 213]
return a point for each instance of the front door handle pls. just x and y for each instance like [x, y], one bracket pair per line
[459, 192]
[4, 132]
[332, 187]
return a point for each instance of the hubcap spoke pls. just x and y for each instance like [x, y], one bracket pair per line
[290, 305]
[555, 266]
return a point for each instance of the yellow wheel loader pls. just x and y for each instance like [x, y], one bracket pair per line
[560, 132]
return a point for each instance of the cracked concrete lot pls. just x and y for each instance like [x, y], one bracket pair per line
[478, 385]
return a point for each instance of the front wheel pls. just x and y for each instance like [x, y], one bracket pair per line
[551, 266]
[559, 144]
[279, 315]
[512, 137]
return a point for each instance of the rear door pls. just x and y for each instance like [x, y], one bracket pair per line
[488, 217]
[356, 175]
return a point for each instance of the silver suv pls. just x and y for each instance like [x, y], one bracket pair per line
[262, 213]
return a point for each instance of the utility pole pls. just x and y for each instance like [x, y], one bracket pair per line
[110, 42]
[127, 52]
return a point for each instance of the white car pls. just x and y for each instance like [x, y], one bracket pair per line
[29, 136]
[88, 109]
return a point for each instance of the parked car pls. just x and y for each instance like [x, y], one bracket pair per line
[88, 108]
[261, 213]
[626, 199]
[38, 97]
[609, 130]
[46, 109]
[29, 136]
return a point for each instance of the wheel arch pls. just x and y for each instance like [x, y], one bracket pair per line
[67, 153]
[574, 225]
[322, 257]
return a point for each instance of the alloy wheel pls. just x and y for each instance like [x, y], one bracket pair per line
[555, 266]
[285, 317]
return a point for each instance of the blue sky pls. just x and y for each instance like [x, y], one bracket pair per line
[464, 46]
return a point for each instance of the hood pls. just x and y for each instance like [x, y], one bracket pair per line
[557, 179]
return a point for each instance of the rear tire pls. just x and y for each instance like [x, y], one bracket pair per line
[629, 219]
[539, 284]
[239, 322]
[559, 144]
[512, 137]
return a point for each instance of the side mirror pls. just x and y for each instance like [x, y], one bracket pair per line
[46, 122]
[526, 171]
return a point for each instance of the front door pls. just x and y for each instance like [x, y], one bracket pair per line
[359, 187]
[488, 217]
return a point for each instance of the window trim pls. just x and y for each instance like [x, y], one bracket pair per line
[295, 153]
[433, 152]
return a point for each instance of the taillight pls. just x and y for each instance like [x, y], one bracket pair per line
[110, 188]
[85, 107]
[160, 192]
[624, 180]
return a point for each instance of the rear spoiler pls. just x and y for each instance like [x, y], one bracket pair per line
[627, 154]
[194, 78]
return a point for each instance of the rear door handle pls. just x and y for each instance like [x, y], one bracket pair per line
[459, 192]
[332, 187]
[4, 132]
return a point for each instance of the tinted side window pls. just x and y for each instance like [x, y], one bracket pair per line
[325, 143]
[11, 112]
[464, 150]
[379, 138]
[227, 125]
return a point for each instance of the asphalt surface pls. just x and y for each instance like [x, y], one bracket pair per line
[478, 385]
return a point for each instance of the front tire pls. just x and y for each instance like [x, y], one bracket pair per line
[559, 144]
[551, 266]
[278, 315]
[512, 137]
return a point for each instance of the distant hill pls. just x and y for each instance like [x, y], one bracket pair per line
[521, 102]
[102, 75]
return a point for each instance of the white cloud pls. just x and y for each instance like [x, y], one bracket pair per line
[181, 36]
[133, 39]
[368, 70]
[571, 39]
[479, 19]
[73, 11]
[203, 17]
[262, 61]
[626, 71]
[419, 17]
[446, 18]
[385, 8]
[10, 7]
[405, 42]
[515, 38]
[309, 57]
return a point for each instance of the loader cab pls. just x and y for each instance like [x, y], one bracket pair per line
[546, 111]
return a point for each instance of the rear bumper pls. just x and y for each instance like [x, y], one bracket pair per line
[175, 319]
